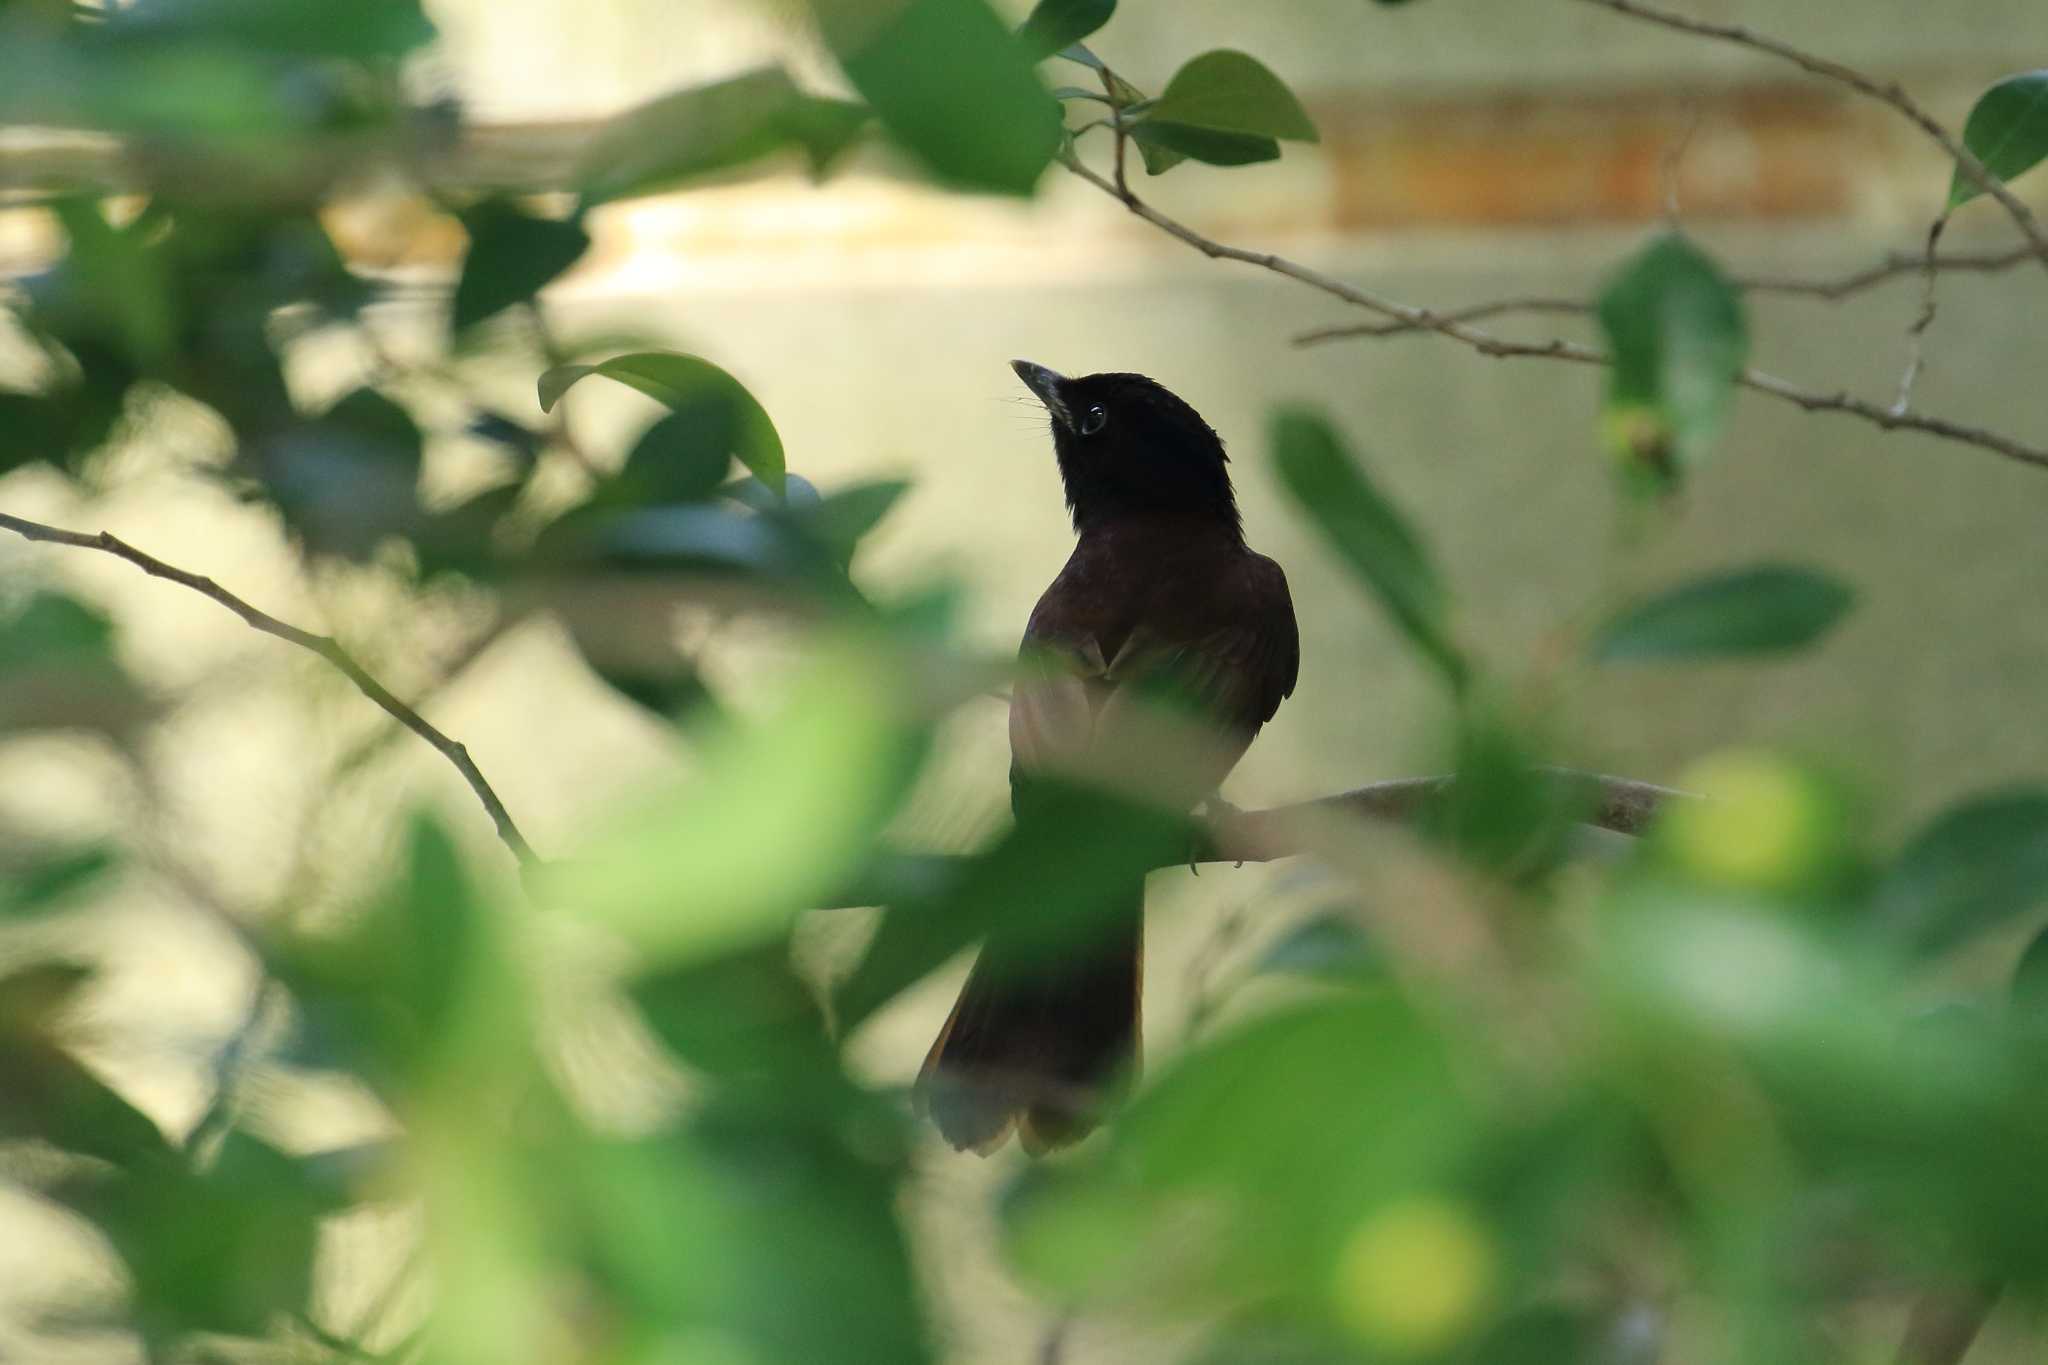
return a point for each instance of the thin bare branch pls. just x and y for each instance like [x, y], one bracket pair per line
[323, 645]
[1888, 93]
[1557, 348]
[1894, 266]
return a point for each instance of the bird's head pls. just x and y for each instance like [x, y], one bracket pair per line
[1127, 448]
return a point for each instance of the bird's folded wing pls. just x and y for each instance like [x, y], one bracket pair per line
[1163, 720]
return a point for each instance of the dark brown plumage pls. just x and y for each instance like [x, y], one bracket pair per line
[1161, 594]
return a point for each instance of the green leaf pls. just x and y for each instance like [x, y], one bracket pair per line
[1229, 92]
[710, 128]
[777, 812]
[2007, 130]
[1079, 55]
[349, 478]
[1676, 329]
[1055, 24]
[59, 669]
[682, 382]
[950, 83]
[51, 881]
[1166, 145]
[1976, 865]
[511, 257]
[1768, 609]
[1366, 532]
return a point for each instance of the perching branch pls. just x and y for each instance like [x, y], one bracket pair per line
[323, 645]
[1486, 343]
[1891, 94]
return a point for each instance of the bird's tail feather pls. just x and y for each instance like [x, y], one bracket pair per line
[1039, 1045]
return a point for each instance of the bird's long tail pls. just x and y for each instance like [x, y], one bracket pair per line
[1040, 1044]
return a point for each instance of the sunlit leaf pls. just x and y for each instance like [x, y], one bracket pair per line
[1974, 866]
[1054, 24]
[711, 128]
[1229, 92]
[950, 83]
[1679, 340]
[681, 382]
[777, 813]
[1332, 489]
[512, 255]
[2007, 130]
[1768, 609]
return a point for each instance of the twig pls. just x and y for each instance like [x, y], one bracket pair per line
[1916, 335]
[323, 645]
[1557, 348]
[1890, 93]
[1833, 290]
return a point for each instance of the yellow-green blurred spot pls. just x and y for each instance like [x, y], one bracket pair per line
[1765, 825]
[1416, 1275]
[1637, 435]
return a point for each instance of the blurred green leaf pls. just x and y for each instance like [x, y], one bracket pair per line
[50, 1095]
[1244, 1169]
[1165, 145]
[348, 479]
[1365, 530]
[59, 669]
[512, 256]
[1768, 609]
[112, 287]
[778, 812]
[1054, 24]
[1080, 55]
[1974, 866]
[50, 881]
[1054, 879]
[2007, 130]
[1505, 813]
[362, 30]
[226, 1249]
[711, 128]
[684, 383]
[1230, 92]
[1679, 340]
[949, 82]
[384, 996]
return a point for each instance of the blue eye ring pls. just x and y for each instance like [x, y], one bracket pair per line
[1094, 420]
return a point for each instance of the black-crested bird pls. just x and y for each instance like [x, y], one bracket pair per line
[1161, 592]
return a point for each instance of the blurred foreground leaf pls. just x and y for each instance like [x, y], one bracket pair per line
[512, 255]
[778, 813]
[1054, 24]
[1675, 327]
[1974, 866]
[1768, 609]
[949, 82]
[712, 128]
[1330, 486]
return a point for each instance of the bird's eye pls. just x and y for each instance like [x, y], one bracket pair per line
[1094, 420]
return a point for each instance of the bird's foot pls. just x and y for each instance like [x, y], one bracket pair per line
[1212, 815]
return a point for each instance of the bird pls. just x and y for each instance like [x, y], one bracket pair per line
[1160, 594]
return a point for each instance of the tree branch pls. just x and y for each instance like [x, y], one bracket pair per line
[1891, 94]
[1557, 348]
[1892, 267]
[323, 645]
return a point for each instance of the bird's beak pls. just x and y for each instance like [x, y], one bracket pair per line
[1047, 385]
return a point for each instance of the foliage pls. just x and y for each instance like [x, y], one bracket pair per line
[1709, 1054]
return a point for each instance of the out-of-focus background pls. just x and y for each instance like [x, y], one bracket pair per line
[1468, 152]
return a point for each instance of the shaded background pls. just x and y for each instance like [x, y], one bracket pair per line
[1469, 152]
